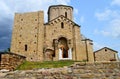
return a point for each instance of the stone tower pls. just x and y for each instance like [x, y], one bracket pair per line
[28, 35]
[58, 39]
[57, 10]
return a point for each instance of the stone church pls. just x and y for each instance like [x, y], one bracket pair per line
[58, 39]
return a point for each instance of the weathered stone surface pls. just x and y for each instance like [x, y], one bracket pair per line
[40, 41]
[106, 54]
[9, 61]
[104, 71]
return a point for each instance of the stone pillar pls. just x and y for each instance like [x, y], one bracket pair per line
[60, 54]
[89, 50]
[70, 53]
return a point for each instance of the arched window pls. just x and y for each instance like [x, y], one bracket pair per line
[105, 50]
[65, 14]
[62, 25]
[25, 47]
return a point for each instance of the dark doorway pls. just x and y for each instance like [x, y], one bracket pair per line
[64, 53]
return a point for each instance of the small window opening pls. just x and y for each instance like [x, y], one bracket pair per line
[21, 19]
[19, 42]
[35, 27]
[65, 14]
[25, 47]
[62, 25]
[53, 54]
[105, 49]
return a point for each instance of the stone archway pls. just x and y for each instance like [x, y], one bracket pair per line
[63, 47]
[48, 55]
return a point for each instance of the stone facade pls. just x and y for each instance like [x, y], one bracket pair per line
[58, 39]
[105, 70]
[9, 61]
[106, 54]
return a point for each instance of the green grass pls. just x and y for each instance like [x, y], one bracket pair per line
[47, 64]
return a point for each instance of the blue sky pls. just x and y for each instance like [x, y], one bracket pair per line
[99, 19]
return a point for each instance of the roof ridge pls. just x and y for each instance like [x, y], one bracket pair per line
[64, 17]
[104, 48]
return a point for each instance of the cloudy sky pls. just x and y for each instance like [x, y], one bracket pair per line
[99, 19]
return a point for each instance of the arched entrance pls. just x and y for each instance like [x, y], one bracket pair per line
[63, 47]
[48, 55]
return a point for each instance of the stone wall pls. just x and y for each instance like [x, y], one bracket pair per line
[9, 61]
[27, 36]
[106, 54]
[31, 37]
[103, 70]
[57, 10]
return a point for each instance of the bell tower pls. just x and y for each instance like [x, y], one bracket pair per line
[57, 10]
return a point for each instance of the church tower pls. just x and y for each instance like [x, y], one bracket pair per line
[27, 35]
[56, 10]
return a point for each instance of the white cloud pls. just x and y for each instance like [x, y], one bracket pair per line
[111, 30]
[103, 15]
[75, 11]
[11, 6]
[112, 20]
[63, 1]
[4, 7]
[115, 2]
[103, 32]
[108, 14]
[75, 14]
[5, 11]
[115, 27]
[82, 19]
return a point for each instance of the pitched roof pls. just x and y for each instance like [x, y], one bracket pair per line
[61, 16]
[105, 48]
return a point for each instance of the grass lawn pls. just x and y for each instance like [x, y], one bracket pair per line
[47, 64]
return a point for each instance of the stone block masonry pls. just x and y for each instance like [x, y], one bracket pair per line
[9, 61]
[58, 39]
[103, 70]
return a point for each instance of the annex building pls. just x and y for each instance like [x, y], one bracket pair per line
[58, 39]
